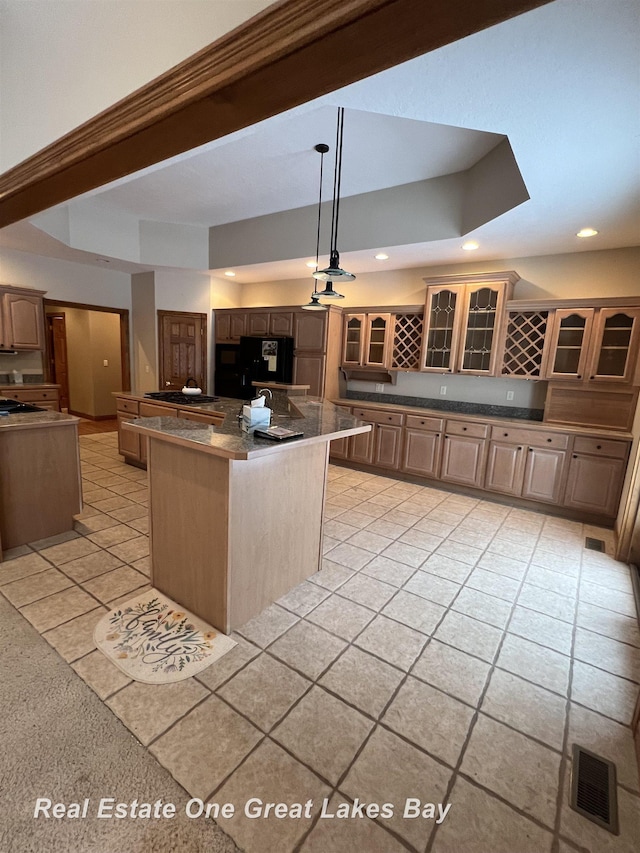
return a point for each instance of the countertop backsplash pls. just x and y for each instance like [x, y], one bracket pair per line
[442, 405]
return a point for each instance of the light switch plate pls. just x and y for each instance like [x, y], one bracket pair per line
[379, 387]
[443, 390]
[509, 395]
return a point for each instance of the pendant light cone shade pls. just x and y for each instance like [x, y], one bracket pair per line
[315, 304]
[329, 292]
[333, 272]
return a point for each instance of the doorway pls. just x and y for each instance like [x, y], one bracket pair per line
[87, 354]
[182, 349]
[57, 361]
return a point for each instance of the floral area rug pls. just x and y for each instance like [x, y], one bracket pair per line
[154, 640]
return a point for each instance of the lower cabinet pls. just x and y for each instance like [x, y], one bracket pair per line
[387, 444]
[543, 474]
[310, 370]
[128, 441]
[529, 472]
[421, 452]
[524, 462]
[463, 460]
[594, 483]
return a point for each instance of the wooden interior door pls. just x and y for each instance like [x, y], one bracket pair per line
[58, 361]
[182, 349]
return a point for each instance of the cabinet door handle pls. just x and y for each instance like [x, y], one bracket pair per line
[598, 447]
[579, 376]
[592, 377]
[519, 448]
[531, 450]
[446, 436]
[575, 456]
[437, 435]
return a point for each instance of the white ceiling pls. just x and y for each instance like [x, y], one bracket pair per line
[561, 82]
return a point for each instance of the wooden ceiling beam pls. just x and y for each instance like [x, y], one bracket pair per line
[292, 52]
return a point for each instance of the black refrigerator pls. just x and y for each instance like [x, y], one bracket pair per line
[252, 360]
[266, 360]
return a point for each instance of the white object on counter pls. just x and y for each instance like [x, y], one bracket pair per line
[256, 414]
[16, 377]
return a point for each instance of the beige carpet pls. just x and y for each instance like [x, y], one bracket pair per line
[60, 741]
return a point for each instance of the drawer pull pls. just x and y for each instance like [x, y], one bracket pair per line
[464, 429]
[390, 418]
[598, 447]
[422, 422]
[549, 439]
[506, 434]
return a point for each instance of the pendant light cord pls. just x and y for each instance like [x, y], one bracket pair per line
[337, 180]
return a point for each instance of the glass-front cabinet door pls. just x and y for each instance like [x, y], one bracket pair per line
[376, 351]
[569, 343]
[442, 328]
[615, 345]
[482, 321]
[353, 344]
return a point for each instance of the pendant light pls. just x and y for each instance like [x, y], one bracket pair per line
[333, 272]
[315, 304]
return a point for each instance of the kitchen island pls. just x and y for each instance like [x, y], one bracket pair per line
[236, 520]
[40, 488]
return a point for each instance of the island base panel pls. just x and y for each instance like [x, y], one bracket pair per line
[39, 483]
[229, 537]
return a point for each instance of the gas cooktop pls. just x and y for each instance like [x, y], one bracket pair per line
[179, 397]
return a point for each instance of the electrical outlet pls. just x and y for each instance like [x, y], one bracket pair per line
[105, 362]
[379, 387]
[443, 390]
[509, 395]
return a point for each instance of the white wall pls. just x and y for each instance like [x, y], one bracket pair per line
[66, 281]
[63, 62]
[614, 272]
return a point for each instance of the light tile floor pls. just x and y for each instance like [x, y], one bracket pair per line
[450, 650]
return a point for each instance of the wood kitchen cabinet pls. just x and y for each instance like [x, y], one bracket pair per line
[422, 446]
[258, 324]
[309, 369]
[596, 474]
[463, 323]
[230, 326]
[367, 340]
[128, 441]
[281, 324]
[387, 446]
[594, 344]
[526, 462]
[569, 346]
[42, 396]
[462, 460]
[22, 319]
[310, 331]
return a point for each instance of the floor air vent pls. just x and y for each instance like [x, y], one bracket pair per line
[593, 788]
[594, 544]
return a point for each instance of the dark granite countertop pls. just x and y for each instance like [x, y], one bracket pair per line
[318, 421]
[452, 406]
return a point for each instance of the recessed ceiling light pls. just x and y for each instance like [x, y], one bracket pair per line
[587, 232]
[230, 273]
[470, 246]
[381, 257]
[311, 264]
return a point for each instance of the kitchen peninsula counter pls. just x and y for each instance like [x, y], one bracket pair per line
[236, 520]
[40, 488]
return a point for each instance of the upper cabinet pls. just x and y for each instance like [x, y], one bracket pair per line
[230, 326]
[594, 344]
[463, 322]
[367, 340]
[569, 343]
[21, 319]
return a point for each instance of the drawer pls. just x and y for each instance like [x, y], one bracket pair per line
[33, 396]
[199, 418]
[344, 410]
[601, 447]
[151, 410]
[375, 417]
[532, 437]
[470, 428]
[416, 422]
[130, 406]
